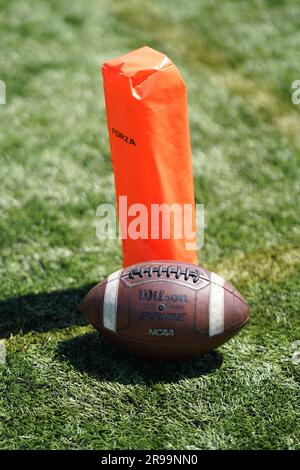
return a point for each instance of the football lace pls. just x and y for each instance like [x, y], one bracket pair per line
[159, 270]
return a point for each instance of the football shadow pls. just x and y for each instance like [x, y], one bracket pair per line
[42, 312]
[94, 355]
[91, 353]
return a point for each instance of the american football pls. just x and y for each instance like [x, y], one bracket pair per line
[166, 309]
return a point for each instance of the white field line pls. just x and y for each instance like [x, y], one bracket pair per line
[2, 352]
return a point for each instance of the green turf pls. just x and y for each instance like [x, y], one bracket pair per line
[64, 387]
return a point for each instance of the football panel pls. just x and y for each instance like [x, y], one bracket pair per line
[241, 311]
[230, 310]
[202, 311]
[92, 305]
[161, 308]
[123, 313]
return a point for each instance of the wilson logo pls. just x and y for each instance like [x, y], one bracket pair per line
[161, 332]
[124, 137]
[161, 296]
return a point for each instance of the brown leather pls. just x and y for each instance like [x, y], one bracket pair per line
[169, 296]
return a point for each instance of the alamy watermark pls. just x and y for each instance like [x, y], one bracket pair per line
[159, 221]
[2, 92]
[296, 94]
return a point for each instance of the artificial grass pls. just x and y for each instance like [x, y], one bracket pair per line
[64, 387]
